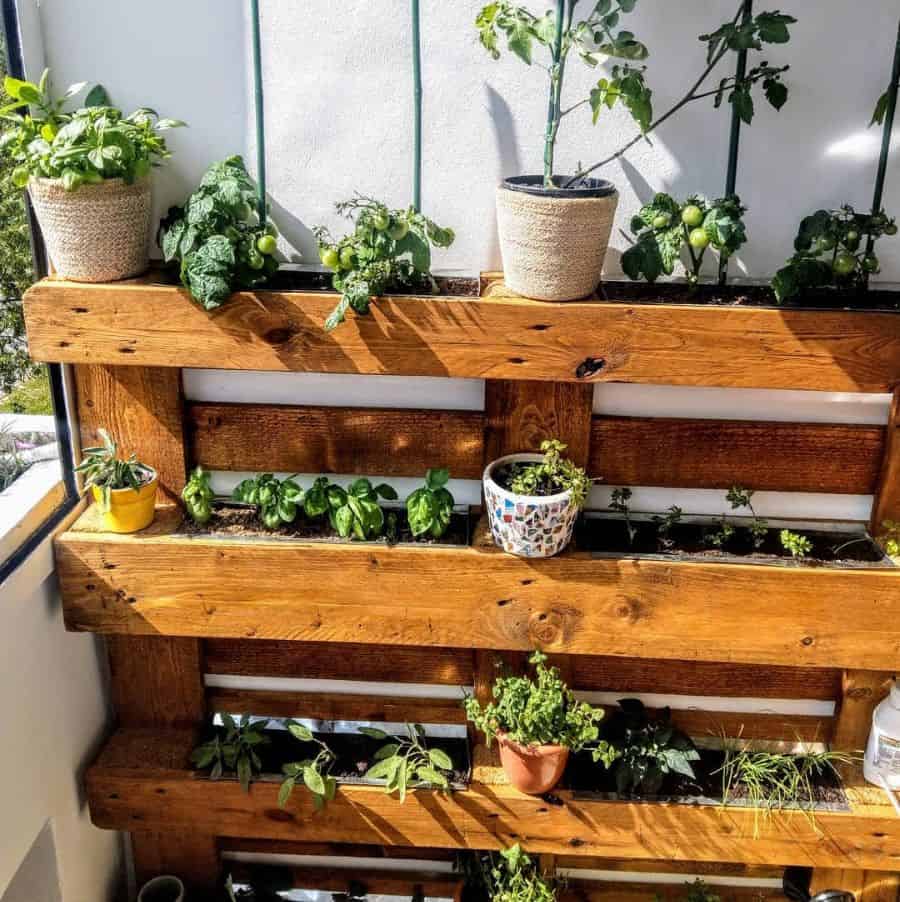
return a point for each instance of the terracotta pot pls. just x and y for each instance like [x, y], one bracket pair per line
[534, 769]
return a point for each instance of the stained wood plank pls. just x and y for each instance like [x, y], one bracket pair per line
[121, 788]
[585, 891]
[861, 691]
[325, 660]
[867, 886]
[476, 597]
[194, 857]
[336, 439]
[887, 500]
[697, 453]
[141, 323]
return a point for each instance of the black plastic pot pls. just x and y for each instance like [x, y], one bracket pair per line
[534, 184]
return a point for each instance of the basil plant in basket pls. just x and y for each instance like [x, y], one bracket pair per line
[537, 722]
[88, 174]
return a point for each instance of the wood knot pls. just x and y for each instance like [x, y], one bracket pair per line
[590, 366]
[546, 628]
[279, 814]
[629, 609]
[278, 336]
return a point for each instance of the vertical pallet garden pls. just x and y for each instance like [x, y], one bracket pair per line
[176, 608]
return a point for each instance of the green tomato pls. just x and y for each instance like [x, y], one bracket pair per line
[399, 229]
[851, 240]
[329, 257]
[844, 264]
[20, 176]
[347, 258]
[381, 221]
[266, 245]
[890, 228]
[662, 221]
[698, 239]
[692, 216]
[870, 263]
[824, 243]
[255, 259]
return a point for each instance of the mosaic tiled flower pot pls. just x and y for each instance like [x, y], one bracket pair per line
[526, 525]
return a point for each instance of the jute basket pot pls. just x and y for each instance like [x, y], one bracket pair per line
[553, 240]
[96, 233]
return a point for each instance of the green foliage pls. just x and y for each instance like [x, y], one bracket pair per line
[775, 781]
[540, 711]
[890, 537]
[665, 526]
[30, 396]
[313, 772]
[663, 236]
[513, 876]
[407, 762]
[595, 37]
[619, 503]
[356, 511]
[388, 250]
[235, 752]
[198, 495]
[102, 467]
[798, 545]
[738, 497]
[832, 249]
[646, 749]
[84, 147]
[216, 236]
[277, 500]
[11, 464]
[428, 509]
[880, 110]
[552, 475]
[698, 891]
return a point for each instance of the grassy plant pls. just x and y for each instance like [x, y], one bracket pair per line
[235, 752]
[552, 475]
[407, 762]
[102, 467]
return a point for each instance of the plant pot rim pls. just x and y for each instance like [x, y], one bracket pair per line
[522, 457]
[531, 748]
[116, 182]
[154, 478]
[534, 185]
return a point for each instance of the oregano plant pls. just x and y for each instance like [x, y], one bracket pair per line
[551, 475]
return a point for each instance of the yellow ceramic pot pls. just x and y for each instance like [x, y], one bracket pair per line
[129, 509]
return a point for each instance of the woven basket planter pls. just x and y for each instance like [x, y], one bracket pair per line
[96, 233]
[553, 241]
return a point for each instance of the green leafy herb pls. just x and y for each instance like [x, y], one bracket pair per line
[552, 475]
[313, 773]
[698, 891]
[218, 238]
[738, 497]
[798, 545]
[406, 762]
[619, 503]
[665, 526]
[84, 147]
[277, 500]
[647, 749]
[890, 538]
[513, 876]
[388, 250]
[665, 229]
[720, 537]
[540, 711]
[198, 495]
[429, 508]
[356, 511]
[235, 752]
[102, 467]
[833, 248]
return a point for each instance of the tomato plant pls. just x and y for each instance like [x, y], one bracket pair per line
[217, 236]
[84, 147]
[832, 249]
[388, 250]
[665, 228]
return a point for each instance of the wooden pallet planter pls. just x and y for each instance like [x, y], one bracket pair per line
[174, 609]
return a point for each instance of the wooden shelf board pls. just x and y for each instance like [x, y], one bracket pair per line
[141, 781]
[157, 583]
[145, 322]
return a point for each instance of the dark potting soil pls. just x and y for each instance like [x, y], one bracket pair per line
[355, 754]
[745, 296]
[589, 780]
[505, 475]
[609, 536]
[308, 279]
[234, 520]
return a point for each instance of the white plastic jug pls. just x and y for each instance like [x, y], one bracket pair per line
[882, 762]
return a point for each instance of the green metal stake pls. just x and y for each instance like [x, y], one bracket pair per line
[260, 116]
[417, 98]
[735, 138]
[890, 110]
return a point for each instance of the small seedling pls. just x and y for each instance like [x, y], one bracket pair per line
[198, 496]
[721, 536]
[665, 526]
[277, 500]
[406, 763]
[738, 497]
[619, 504]
[698, 891]
[314, 772]
[103, 468]
[799, 546]
[235, 752]
[429, 508]
[552, 475]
